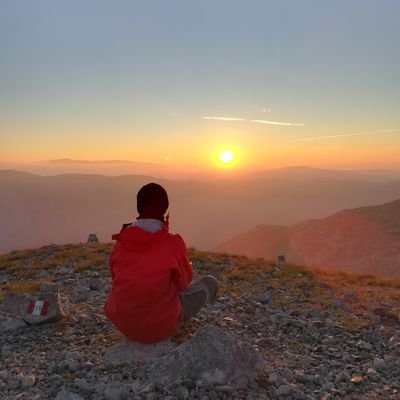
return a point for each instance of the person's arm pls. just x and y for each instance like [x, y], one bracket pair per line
[111, 263]
[184, 272]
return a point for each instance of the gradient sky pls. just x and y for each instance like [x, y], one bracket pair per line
[134, 80]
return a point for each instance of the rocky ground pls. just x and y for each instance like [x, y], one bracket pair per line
[321, 336]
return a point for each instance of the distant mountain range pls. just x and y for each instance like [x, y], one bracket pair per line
[37, 210]
[167, 170]
[364, 240]
[307, 173]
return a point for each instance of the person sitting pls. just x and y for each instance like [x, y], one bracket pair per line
[152, 292]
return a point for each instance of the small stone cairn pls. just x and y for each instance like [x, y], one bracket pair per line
[92, 238]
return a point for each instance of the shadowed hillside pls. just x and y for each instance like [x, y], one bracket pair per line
[360, 240]
[37, 210]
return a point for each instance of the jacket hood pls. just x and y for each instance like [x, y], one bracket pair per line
[137, 237]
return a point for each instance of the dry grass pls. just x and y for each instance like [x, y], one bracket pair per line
[21, 287]
[368, 290]
[25, 263]
[292, 287]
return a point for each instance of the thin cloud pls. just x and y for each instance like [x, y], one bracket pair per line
[263, 121]
[314, 138]
[225, 118]
[256, 121]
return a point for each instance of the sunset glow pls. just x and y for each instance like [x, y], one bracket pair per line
[268, 95]
[226, 156]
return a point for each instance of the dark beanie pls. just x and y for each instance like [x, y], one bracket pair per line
[152, 201]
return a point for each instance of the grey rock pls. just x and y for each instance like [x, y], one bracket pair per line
[262, 298]
[95, 284]
[49, 287]
[284, 391]
[314, 313]
[303, 378]
[13, 324]
[213, 395]
[363, 345]
[117, 391]
[79, 294]
[4, 375]
[274, 378]
[68, 365]
[137, 386]
[211, 355]
[84, 386]
[99, 387]
[28, 381]
[379, 364]
[343, 376]
[128, 351]
[14, 303]
[72, 355]
[64, 270]
[64, 394]
[394, 341]
[181, 393]
[18, 304]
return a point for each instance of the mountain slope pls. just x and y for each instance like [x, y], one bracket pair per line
[365, 239]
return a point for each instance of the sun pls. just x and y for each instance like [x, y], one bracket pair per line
[226, 156]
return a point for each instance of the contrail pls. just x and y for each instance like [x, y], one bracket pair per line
[225, 118]
[311, 139]
[263, 121]
[256, 121]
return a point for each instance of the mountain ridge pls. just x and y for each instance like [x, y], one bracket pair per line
[365, 239]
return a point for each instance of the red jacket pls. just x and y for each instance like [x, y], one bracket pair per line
[148, 271]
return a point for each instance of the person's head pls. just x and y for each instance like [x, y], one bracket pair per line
[152, 202]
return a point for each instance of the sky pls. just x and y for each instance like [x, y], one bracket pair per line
[278, 83]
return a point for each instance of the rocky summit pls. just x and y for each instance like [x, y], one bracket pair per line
[274, 332]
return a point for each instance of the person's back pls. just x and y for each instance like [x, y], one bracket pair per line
[150, 271]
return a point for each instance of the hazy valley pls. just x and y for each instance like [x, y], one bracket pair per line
[37, 210]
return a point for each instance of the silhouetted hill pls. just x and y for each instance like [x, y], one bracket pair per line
[307, 173]
[364, 240]
[37, 210]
